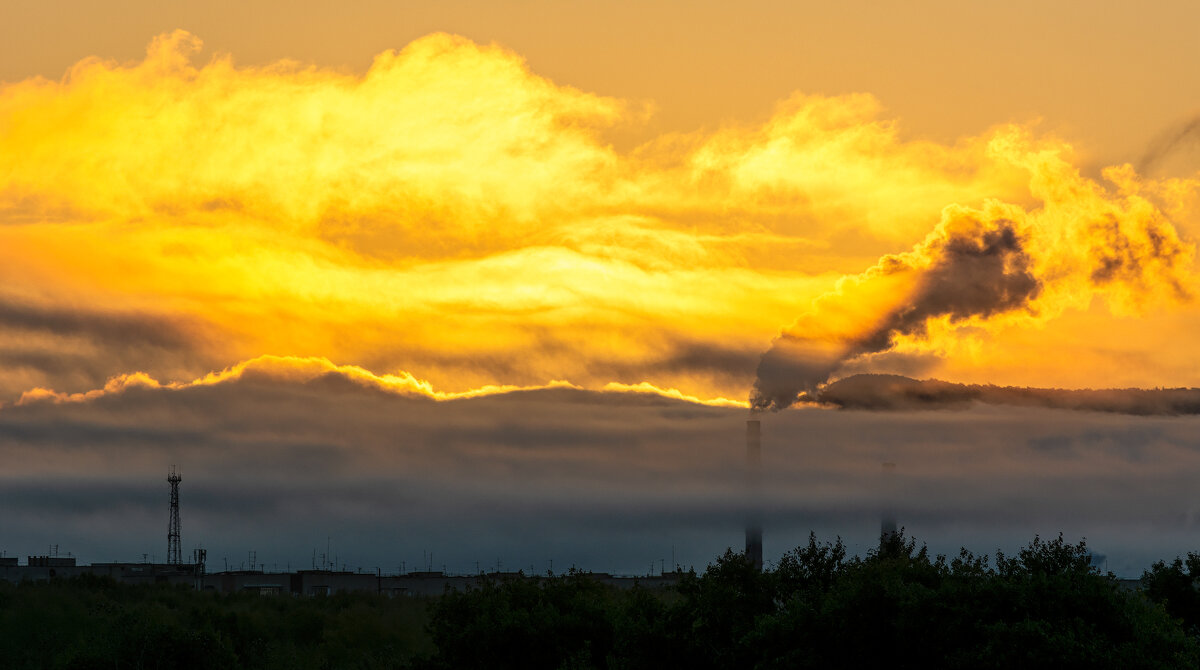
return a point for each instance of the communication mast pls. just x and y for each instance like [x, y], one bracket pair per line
[174, 554]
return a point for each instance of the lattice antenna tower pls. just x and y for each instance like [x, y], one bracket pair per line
[174, 553]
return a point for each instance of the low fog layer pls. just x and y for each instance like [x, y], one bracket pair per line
[606, 481]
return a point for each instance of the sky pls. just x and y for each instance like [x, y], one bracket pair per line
[503, 281]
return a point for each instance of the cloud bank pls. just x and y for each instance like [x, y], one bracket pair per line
[280, 455]
[452, 214]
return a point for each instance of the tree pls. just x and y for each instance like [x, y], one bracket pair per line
[1177, 588]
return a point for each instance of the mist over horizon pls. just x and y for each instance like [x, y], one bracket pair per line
[276, 463]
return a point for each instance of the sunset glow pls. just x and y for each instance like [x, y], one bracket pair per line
[453, 216]
[551, 256]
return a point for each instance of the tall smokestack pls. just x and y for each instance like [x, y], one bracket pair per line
[753, 466]
[887, 523]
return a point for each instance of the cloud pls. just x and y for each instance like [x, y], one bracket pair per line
[80, 346]
[104, 326]
[302, 146]
[281, 454]
[895, 393]
[453, 213]
[321, 371]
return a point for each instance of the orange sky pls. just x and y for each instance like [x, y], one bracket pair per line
[260, 240]
[590, 194]
[1108, 75]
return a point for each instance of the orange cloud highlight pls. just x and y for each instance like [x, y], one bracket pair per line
[303, 370]
[454, 214]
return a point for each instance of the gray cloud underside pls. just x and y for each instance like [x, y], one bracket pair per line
[76, 348]
[726, 365]
[601, 480]
[127, 328]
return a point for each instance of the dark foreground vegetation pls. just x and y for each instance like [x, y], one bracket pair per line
[90, 622]
[818, 608]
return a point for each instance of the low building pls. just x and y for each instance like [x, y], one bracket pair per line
[299, 583]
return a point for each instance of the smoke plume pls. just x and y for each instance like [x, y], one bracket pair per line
[968, 268]
[1183, 136]
[983, 270]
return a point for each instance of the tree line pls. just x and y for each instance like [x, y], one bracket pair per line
[896, 607]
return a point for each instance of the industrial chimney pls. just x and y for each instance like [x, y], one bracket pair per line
[753, 474]
[887, 522]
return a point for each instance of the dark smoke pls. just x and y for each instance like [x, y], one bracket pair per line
[893, 392]
[790, 367]
[1171, 141]
[978, 269]
[978, 275]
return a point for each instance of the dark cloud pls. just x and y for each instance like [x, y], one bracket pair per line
[668, 358]
[896, 393]
[132, 329]
[607, 481]
[79, 348]
[706, 357]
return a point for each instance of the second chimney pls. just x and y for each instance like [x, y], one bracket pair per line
[754, 551]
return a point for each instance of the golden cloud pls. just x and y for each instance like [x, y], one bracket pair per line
[452, 216]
